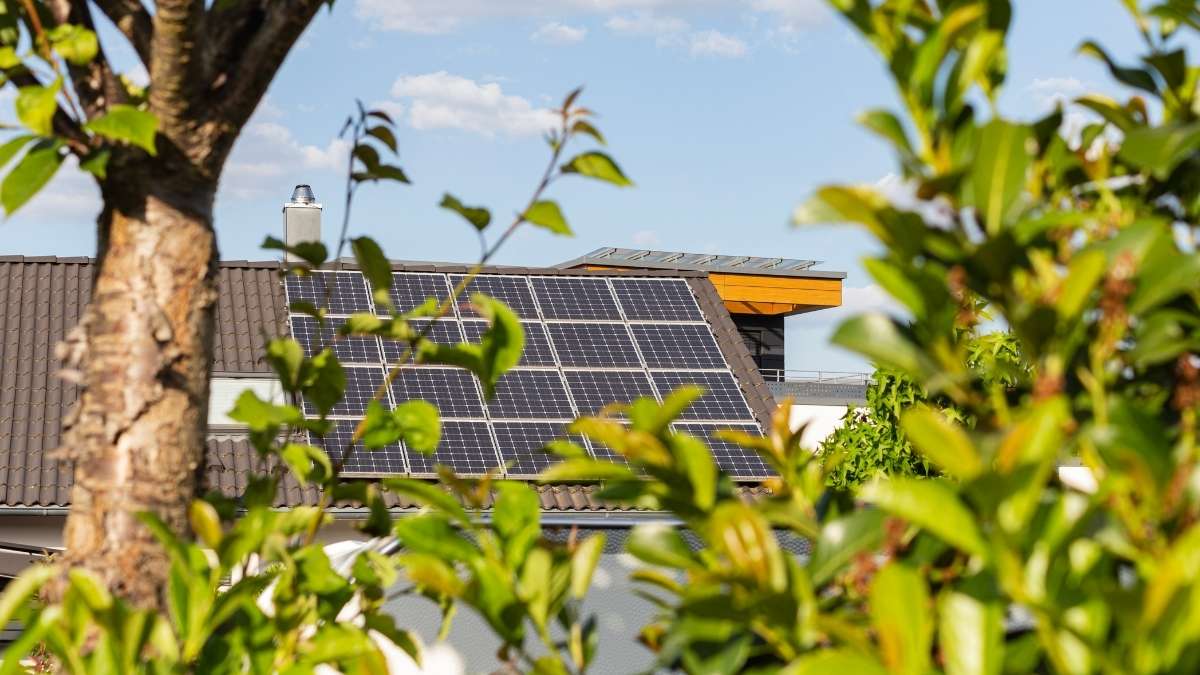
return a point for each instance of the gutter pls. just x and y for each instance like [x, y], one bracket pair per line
[552, 518]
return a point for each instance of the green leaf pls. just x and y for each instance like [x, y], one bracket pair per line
[970, 634]
[260, 415]
[374, 263]
[1159, 149]
[30, 175]
[1161, 284]
[420, 426]
[900, 614]
[842, 540]
[324, 381]
[36, 106]
[931, 505]
[894, 280]
[597, 165]
[477, 216]
[585, 127]
[839, 661]
[205, 522]
[312, 252]
[659, 544]
[96, 163]
[1083, 273]
[586, 469]
[942, 441]
[127, 124]
[876, 337]
[501, 344]
[1109, 109]
[14, 146]
[76, 44]
[18, 592]
[308, 463]
[9, 58]
[583, 564]
[430, 495]
[286, 356]
[516, 519]
[998, 172]
[1134, 77]
[887, 126]
[384, 135]
[546, 214]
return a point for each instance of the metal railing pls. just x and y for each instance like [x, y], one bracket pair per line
[814, 376]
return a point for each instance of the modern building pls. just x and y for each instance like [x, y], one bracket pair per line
[606, 327]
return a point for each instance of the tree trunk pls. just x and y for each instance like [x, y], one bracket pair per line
[142, 351]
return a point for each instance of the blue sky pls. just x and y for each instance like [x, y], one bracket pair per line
[725, 113]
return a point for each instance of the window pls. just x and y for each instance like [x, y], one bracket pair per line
[224, 391]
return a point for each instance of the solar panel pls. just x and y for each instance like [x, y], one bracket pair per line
[521, 443]
[361, 384]
[337, 292]
[657, 300]
[734, 459]
[348, 348]
[597, 345]
[589, 342]
[452, 390]
[678, 345]
[575, 298]
[512, 291]
[593, 389]
[531, 394]
[722, 399]
[443, 332]
[466, 447]
[537, 345]
[380, 461]
[411, 289]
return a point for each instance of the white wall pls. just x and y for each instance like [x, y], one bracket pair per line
[821, 421]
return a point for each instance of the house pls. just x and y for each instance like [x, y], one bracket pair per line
[609, 324]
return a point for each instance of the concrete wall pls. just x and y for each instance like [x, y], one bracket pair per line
[821, 421]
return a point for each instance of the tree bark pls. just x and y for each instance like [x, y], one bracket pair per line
[142, 350]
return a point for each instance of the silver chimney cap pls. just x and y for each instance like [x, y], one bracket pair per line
[303, 194]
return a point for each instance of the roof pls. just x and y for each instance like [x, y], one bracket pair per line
[702, 262]
[42, 297]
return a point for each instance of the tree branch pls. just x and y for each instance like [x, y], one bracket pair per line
[134, 22]
[177, 95]
[95, 84]
[248, 43]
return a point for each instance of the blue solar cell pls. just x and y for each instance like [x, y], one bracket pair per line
[722, 399]
[512, 291]
[337, 292]
[656, 300]
[575, 298]
[466, 447]
[739, 462]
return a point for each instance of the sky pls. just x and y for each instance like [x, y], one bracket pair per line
[724, 113]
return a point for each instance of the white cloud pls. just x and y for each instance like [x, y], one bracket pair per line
[445, 16]
[556, 33]
[646, 23]
[444, 101]
[268, 155]
[646, 238]
[1049, 91]
[716, 43]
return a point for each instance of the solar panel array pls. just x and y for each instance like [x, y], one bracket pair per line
[590, 341]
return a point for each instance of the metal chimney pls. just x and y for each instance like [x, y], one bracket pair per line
[301, 219]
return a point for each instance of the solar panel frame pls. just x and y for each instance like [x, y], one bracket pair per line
[411, 289]
[678, 345]
[444, 332]
[592, 389]
[651, 299]
[468, 447]
[521, 443]
[513, 291]
[361, 384]
[349, 293]
[526, 393]
[386, 461]
[575, 298]
[348, 348]
[723, 399]
[738, 462]
[453, 390]
[593, 345]
[537, 350]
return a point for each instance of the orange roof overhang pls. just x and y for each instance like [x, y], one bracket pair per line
[770, 295]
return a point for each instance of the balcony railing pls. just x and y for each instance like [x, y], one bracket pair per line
[827, 387]
[815, 376]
